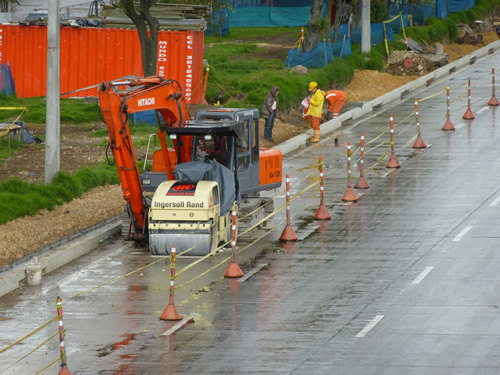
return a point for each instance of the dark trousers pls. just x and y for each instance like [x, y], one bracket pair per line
[268, 129]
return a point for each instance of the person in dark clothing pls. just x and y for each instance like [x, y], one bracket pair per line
[270, 111]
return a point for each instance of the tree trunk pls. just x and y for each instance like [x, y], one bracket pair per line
[149, 41]
[313, 29]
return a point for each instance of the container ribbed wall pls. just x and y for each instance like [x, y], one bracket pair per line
[92, 55]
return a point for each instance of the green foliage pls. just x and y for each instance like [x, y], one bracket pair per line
[19, 198]
[73, 111]
[378, 11]
[8, 149]
[69, 182]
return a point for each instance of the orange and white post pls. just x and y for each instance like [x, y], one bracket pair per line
[448, 126]
[288, 233]
[322, 212]
[393, 160]
[362, 183]
[170, 312]
[349, 194]
[419, 143]
[233, 270]
[493, 101]
[468, 115]
[64, 368]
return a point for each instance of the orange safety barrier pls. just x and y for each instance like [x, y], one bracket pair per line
[89, 56]
[393, 160]
[448, 126]
[349, 195]
[468, 115]
[233, 270]
[493, 101]
[170, 312]
[64, 368]
[362, 183]
[419, 143]
[322, 212]
[288, 233]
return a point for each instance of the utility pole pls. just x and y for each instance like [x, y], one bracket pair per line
[52, 118]
[365, 26]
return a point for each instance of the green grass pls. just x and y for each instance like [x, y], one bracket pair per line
[73, 111]
[19, 198]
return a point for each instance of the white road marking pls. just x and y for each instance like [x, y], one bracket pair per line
[370, 326]
[252, 272]
[482, 109]
[422, 275]
[495, 202]
[178, 325]
[462, 233]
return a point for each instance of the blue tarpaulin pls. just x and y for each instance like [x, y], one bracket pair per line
[377, 33]
[7, 86]
[317, 58]
[270, 16]
[458, 5]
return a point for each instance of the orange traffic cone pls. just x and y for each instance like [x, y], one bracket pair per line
[468, 115]
[393, 160]
[64, 370]
[233, 270]
[288, 233]
[322, 212]
[170, 312]
[493, 101]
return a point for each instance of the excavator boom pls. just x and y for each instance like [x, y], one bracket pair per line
[152, 93]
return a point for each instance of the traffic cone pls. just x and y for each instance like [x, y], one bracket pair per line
[448, 126]
[64, 370]
[468, 115]
[393, 162]
[288, 233]
[233, 270]
[322, 213]
[493, 101]
[349, 195]
[170, 313]
[361, 183]
[419, 143]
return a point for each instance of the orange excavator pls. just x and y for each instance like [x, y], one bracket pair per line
[203, 169]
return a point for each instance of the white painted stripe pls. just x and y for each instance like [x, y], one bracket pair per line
[252, 272]
[495, 202]
[462, 233]
[370, 326]
[422, 275]
[179, 324]
[482, 109]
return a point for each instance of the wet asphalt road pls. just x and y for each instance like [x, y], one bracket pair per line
[403, 281]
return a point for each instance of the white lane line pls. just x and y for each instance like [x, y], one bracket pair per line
[252, 272]
[189, 318]
[495, 202]
[482, 109]
[370, 326]
[422, 275]
[462, 233]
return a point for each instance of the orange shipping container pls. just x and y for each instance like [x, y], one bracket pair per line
[92, 55]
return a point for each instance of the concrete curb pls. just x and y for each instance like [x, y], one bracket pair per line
[59, 256]
[73, 249]
[355, 113]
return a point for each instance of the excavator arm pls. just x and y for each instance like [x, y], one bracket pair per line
[152, 93]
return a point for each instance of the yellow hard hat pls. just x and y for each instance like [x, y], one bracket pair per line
[312, 85]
